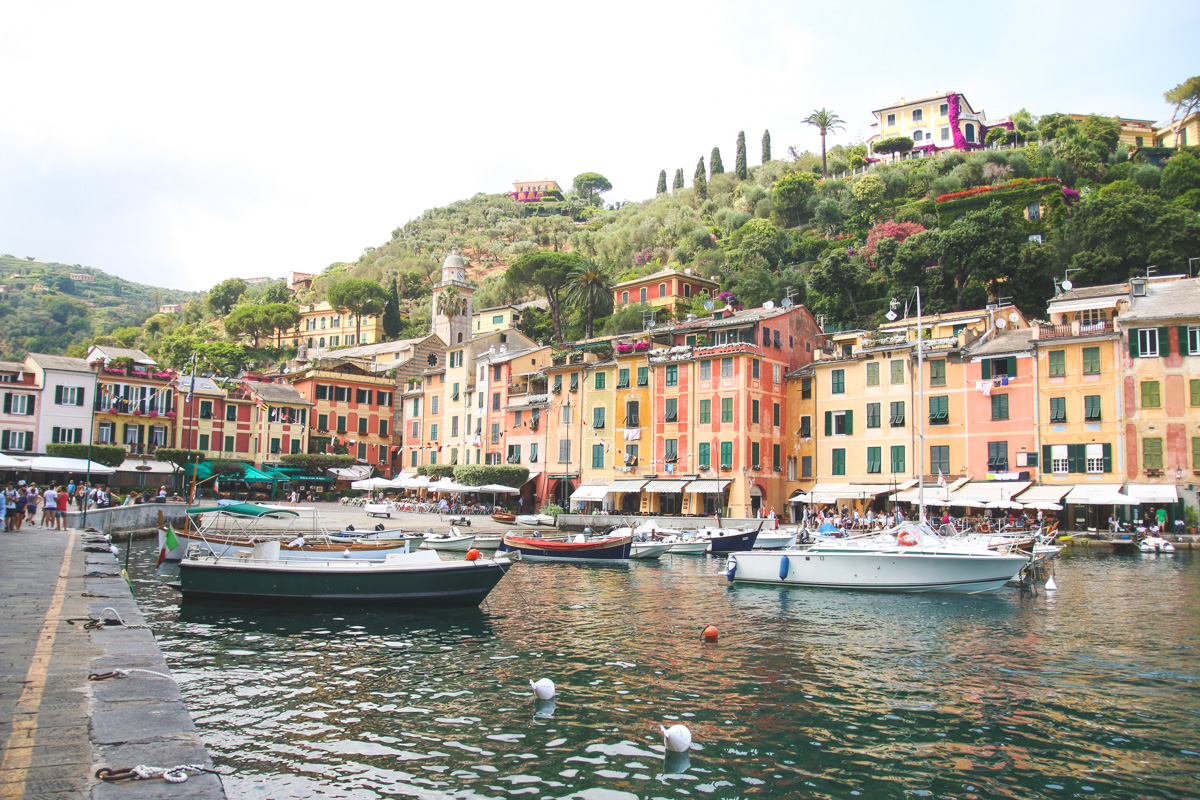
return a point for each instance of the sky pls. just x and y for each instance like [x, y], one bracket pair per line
[179, 144]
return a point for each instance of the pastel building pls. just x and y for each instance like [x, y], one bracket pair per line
[19, 414]
[135, 400]
[669, 289]
[68, 391]
[532, 191]
[324, 327]
[938, 122]
[345, 403]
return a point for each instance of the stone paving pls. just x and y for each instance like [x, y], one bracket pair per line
[57, 727]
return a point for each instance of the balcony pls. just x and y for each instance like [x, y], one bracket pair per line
[1073, 329]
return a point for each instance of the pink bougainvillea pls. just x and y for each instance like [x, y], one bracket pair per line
[889, 229]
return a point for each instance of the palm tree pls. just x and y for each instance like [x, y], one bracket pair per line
[591, 286]
[825, 121]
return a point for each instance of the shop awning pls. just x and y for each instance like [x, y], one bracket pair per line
[987, 491]
[1155, 493]
[532, 476]
[1045, 494]
[624, 487]
[665, 487]
[832, 492]
[1097, 494]
[708, 487]
[827, 492]
[406, 475]
[933, 494]
[593, 493]
[58, 464]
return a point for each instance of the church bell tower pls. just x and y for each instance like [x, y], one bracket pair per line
[452, 304]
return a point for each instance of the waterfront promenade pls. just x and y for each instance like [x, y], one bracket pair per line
[57, 726]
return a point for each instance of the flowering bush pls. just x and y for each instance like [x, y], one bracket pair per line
[138, 374]
[985, 189]
[137, 412]
[888, 230]
[153, 413]
[624, 349]
[170, 414]
[1070, 194]
[641, 346]
[163, 375]
[112, 371]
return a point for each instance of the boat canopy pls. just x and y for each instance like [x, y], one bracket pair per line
[243, 510]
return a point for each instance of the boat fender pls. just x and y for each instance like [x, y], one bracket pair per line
[379, 527]
[349, 527]
[543, 689]
[909, 539]
[731, 568]
[1051, 586]
[784, 564]
[346, 553]
[677, 738]
[472, 554]
[710, 632]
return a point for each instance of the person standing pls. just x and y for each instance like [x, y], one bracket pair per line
[31, 506]
[19, 516]
[49, 506]
[1162, 518]
[60, 514]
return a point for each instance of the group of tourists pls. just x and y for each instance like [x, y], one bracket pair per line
[19, 506]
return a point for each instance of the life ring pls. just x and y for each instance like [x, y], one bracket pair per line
[909, 539]
[985, 528]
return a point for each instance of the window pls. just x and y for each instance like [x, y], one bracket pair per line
[642, 294]
[433, 431]
[775, 372]
[1095, 461]
[416, 429]
[362, 451]
[1193, 391]
[203, 441]
[20, 404]
[1144, 343]
[564, 451]
[939, 459]
[1150, 395]
[969, 132]
[705, 412]
[1060, 461]
[702, 456]
[631, 455]
[806, 388]
[362, 425]
[891, 119]
[1033, 212]
[726, 409]
[362, 396]
[839, 423]
[1091, 361]
[1058, 410]
[105, 431]
[1058, 363]
[775, 458]
[672, 375]
[624, 298]
[662, 290]
[495, 401]
[838, 459]
[945, 133]
[557, 384]
[574, 382]
[383, 426]
[805, 427]
[206, 409]
[939, 410]
[775, 415]
[1152, 453]
[944, 110]
[565, 419]
[599, 381]
[754, 453]
[632, 416]
[643, 376]
[897, 414]
[413, 460]
[671, 411]
[754, 368]
[1091, 408]
[341, 394]
[597, 456]
[999, 406]
[623, 379]
[323, 392]
[1196, 452]
[453, 426]
[873, 373]
[937, 373]
[433, 405]
[726, 367]
[806, 466]
[873, 415]
[998, 456]
[918, 114]
[874, 460]
[837, 380]
[999, 367]
[897, 458]
[533, 452]
[598, 417]
[775, 340]
[230, 413]
[416, 407]
[275, 445]
[727, 455]
[706, 370]
[687, 290]
[671, 450]
[897, 371]
[132, 433]
[1189, 340]
[754, 412]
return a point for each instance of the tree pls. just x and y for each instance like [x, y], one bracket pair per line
[110, 455]
[358, 297]
[280, 318]
[828, 215]
[766, 147]
[509, 475]
[678, 182]
[1186, 99]
[840, 277]
[791, 194]
[227, 359]
[698, 180]
[275, 292]
[184, 460]
[715, 166]
[590, 185]
[896, 144]
[662, 182]
[315, 463]
[392, 321]
[868, 194]
[985, 246]
[888, 229]
[550, 272]
[1105, 130]
[739, 168]
[224, 296]
[1051, 126]
[1112, 237]
[1180, 175]
[756, 241]
[247, 320]
[591, 287]
[825, 121]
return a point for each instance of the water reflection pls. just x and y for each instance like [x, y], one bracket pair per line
[806, 693]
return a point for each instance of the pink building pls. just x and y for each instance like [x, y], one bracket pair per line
[1001, 407]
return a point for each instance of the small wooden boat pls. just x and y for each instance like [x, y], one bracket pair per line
[505, 517]
[775, 540]
[455, 541]
[648, 550]
[417, 579]
[536, 519]
[614, 548]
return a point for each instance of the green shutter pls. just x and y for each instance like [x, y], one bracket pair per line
[1073, 458]
[30, 405]
[1107, 457]
[3, 440]
[1046, 457]
[7, 404]
[1183, 339]
[1164, 342]
[1133, 343]
[986, 367]
[58, 395]
[829, 423]
[849, 423]
[1012, 366]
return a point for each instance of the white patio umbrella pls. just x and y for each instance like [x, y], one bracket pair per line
[371, 484]
[1044, 506]
[1003, 504]
[498, 489]
[1112, 499]
[967, 503]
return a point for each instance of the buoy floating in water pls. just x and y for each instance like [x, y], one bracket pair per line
[472, 554]
[677, 738]
[542, 689]
[710, 632]
[1051, 586]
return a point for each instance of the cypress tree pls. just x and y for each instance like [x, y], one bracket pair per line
[740, 168]
[662, 182]
[715, 167]
[678, 183]
[766, 146]
[391, 314]
[698, 180]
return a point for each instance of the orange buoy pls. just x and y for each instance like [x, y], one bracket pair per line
[710, 632]
[472, 554]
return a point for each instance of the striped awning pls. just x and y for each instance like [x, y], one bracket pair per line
[664, 487]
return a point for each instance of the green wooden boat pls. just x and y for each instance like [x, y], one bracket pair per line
[408, 580]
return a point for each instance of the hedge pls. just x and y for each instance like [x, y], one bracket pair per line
[436, 470]
[481, 474]
[315, 463]
[110, 455]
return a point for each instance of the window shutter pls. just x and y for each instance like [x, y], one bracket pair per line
[1183, 339]
[1107, 457]
[54, 433]
[849, 423]
[30, 404]
[7, 404]
[1133, 343]
[1072, 458]
[58, 395]
[78, 435]
[4, 439]
[29, 443]
[986, 366]
[829, 423]
[1164, 341]
[1047, 465]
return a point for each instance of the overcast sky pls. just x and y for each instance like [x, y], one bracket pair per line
[178, 144]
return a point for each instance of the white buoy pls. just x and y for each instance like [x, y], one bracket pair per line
[543, 689]
[1051, 586]
[677, 737]
[346, 553]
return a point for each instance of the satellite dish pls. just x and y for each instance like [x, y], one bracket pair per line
[787, 302]
[1002, 323]
[770, 304]
[892, 316]
[708, 305]
[1014, 317]
[1067, 285]
[651, 324]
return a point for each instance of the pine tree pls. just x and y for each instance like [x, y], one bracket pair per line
[678, 182]
[698, 181]
[766, 146]
[714, 163]
[392, 323]
[662, 182]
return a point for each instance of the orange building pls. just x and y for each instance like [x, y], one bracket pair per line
[668, 288]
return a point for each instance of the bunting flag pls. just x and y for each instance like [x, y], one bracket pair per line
[941, 477]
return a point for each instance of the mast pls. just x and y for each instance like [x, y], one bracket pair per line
[920, 410]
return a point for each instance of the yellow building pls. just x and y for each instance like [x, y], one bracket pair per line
[1180, 134]
[937, 122]
[564, 425]
[323, 327]
[1134, 132]
[494, 318]
[601, 463]
[668, 288]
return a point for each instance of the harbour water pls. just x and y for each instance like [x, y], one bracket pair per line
[1089, 692]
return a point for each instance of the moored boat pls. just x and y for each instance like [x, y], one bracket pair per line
[728, 540]
[505, 517]
[613, 548]
[1155, 544]
[648, 550]
[455, 541]
[535, 519]
[774, 540]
